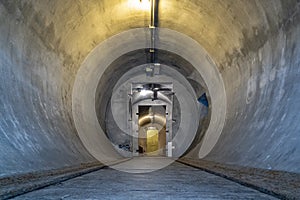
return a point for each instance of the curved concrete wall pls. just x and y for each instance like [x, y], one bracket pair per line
[36, 126]
[255, 44]
[262, 128]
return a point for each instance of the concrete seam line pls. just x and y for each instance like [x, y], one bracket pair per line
[56, 177]
[45, 183]
[236, 180]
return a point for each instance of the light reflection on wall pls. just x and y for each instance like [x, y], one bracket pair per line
[143, 5]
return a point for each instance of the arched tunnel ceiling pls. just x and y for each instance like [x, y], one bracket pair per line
[74, 28]
[255, 45]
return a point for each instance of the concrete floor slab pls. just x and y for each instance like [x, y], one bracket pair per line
[176, 181]
[143, 164]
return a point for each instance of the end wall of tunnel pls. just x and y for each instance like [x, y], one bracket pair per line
[254, 44]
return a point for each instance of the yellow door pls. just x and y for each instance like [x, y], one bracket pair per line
[152, 140]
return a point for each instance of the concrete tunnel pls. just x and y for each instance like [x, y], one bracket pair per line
[82, 80]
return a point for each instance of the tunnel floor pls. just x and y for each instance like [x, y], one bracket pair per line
[177, 181]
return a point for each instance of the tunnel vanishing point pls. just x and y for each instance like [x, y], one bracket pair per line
[98, 82]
